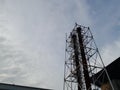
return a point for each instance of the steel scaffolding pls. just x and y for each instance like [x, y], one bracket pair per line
[82, 60]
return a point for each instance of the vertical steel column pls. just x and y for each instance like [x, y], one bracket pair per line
[85, 66]
[76, 60]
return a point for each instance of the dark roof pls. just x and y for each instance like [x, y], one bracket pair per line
[113, 70]
[4, 86]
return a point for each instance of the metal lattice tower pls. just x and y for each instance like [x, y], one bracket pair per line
[82, 60]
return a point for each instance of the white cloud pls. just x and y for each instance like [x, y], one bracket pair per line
[34, 33]
[110, 52]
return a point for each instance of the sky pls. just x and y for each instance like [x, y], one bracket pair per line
[32, 37]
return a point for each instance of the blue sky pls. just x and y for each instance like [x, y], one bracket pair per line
[32, 37]
[106, 17]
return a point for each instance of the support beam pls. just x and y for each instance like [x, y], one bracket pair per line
[84, 61]
[76, 60]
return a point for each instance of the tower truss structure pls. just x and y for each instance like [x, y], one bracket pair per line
[82, 60]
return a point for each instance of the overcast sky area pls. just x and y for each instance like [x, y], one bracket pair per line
[32, 37]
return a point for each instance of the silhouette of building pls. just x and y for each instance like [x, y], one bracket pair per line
[114, 74]
[4, 86]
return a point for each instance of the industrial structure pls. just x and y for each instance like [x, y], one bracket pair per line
[114, 74]
[84, 67]
[4, 86]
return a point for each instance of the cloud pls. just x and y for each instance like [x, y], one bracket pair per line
[35, 40]
[110, 52]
